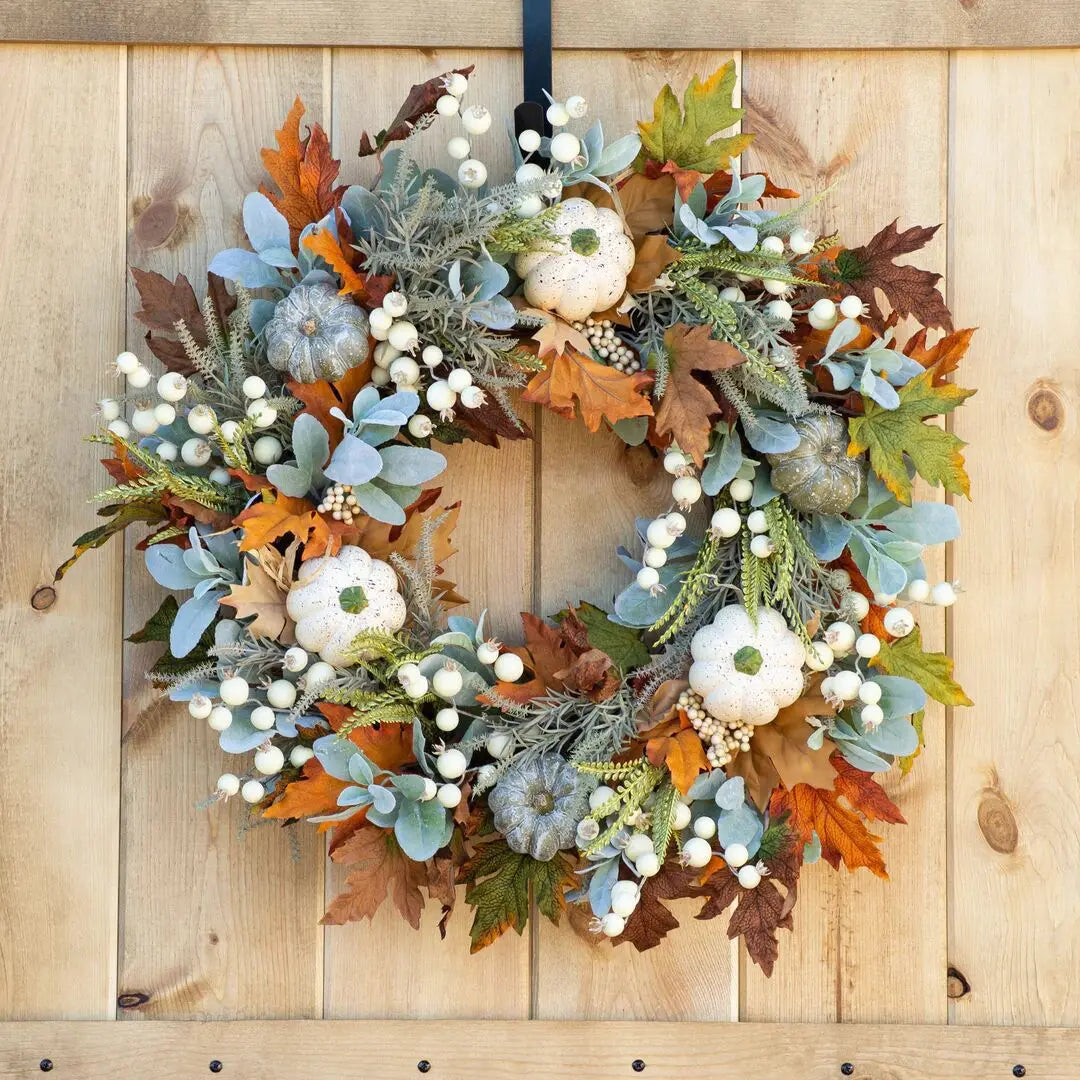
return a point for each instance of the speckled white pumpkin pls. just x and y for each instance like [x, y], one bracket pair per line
[745, 672]
[587, 272]
[336, 597]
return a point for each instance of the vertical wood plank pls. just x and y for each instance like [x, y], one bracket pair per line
[1014, 826]
[592, 488]
[417, 974]
[62, 322]
[876, 127]
[214, 924]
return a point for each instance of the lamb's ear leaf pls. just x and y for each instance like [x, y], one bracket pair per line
[354, 462]
[377, 504]
[407, 465]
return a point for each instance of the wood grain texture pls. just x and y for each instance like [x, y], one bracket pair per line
[500, 1050]
[803, 24]
[418, 972]
[878, 132]
[62, 322]
[1014, 822]
[592, 488]
[214, 924]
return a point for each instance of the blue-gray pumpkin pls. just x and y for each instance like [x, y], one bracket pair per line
[316, 334]
[818, 476]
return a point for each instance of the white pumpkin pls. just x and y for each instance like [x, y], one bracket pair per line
[587, 272]
[745, 672]
[335, 597]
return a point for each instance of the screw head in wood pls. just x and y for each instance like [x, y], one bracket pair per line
[637, 1065]
[423, 1066]
[1019, 1070]
[216, 1066]
[847, 1068]
[45, 1065]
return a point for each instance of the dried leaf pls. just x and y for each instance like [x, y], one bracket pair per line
[268, 580]
[689, 408]
[600, 392]
[380, 868]
[682, 752]
[945, 356]
[842, 833]
[320, 397]
[164, 304]
[651, 921]
[304, 171]
[654, 255]
[419, 104]
[891, 435]
[759, 914]
[389, 746]
[909, 290]
[315, 794]
[863, 792]
[325, 244]
[269, 520]
[556, 336]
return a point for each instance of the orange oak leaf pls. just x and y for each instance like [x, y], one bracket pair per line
[380, 868]
[325, 244]
[688, 407]
[944, 357]
[600, 392]
[844, 837]
[320, 397]
[316, 793]
[304, 171]
[863, 792]
[682, 752]
[266, 521]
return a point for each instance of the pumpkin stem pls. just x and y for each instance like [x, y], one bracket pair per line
[308, 327]
[748, 660]
[585, 241]
[353, 599]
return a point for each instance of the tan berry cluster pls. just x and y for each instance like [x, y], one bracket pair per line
[607, 345]
[722, 740]
[340, 503]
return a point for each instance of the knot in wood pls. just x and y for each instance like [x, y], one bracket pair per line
[998, 823]
[957, 985]
[43, 598]
[1045, 408]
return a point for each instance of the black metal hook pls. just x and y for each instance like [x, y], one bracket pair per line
[535, 67]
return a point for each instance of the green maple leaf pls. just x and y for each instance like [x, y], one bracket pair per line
[682, 134]
[499, 883]
[622, 643]
[889, 434]
[931, 670]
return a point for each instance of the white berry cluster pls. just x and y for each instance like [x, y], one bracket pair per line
[340, 503]
[564, 149]
[722, 740]
[235, 691]
[660, 534]
[398, 340]
[728, 522]
[608, 346]
[472, 172]
[697, 852]
[148, 418]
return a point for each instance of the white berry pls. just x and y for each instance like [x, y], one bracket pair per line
[200, 706]
[404, 336]
[451, 764]
[420, 426]
[845, 685]
[447, 105]
[509, 667]
[228, 783]
[167, 451]
[254, 387]
[458, 379]
[686, 490]
[576, 106]
[659, 534]
[172, 386]
[654, 557]
[449, 795]
[229, 430]
[487, 652]
[819, 657]
[299, 756]
[379, 321]
[529, 140]
[565, 147]
[680, 816]
[648, 577]
[252, 792]
[762, 546]
[556, 114]
[772, 245]
[263, 718]
[431, 789]
[439, 396]
[840, 637]
[705, 827]
[195, 452]
[871, 716]
[472, 173]
[220, 475]
[648, 865]
[638, 845]
[456, 84]
[447, 719]
[624, 902]
[127, 362]
[144, 421]
[164, 413]
[234, 690]
[612, 925]
[870, 693]
[267, 450]
[447, 682]
[757, 522]
[201, 419]
[697, 852]
[269, 761]
[899, 622]
[282, 694]
[726, 522]
[458, 148]
[109, 409]
[779, 309]
[599, 795]
[918, 590]
[943, 594]
[775, 286]
[859, 605]
[801, 241]
[749, 877]
[404, 370]
[741, 490]
[867, 645]
[220, 717]
[735, 855]
[120, 429]
[851, 307]
[674, 462]
[476, 120]
[472, 397]
[823, 314]
[499, 743]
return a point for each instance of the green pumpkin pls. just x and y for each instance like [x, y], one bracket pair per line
[316, 334]
[537, 805]
[818, 476]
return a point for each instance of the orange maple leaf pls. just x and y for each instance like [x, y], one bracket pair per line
[304, 171]
[682, 752]
[320, 397]
[601, 392]
[944, 357]
[325, 244]
[266, 521]
[389, 746]
[863, 792]
[316, 793]
[842, 833]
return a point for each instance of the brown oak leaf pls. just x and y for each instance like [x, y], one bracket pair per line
[380, 869]
[651, 920]
[944, 357]
[269, 574]
[304, 171]
[676, 745]
[909, 290]
[688, 407]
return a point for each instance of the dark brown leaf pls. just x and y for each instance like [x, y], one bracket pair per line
[419, 103]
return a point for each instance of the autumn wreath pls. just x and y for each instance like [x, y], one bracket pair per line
[722, 725]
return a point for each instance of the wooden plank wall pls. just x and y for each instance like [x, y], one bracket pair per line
[121, 899]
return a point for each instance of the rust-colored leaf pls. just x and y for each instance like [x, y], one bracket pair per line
[682, 752]
[945, 356]
[315, 794]
[419, 103]
[267, 521]
[863, 792]
[688, 408]
[304, 171]
[380, 868]
[654, 255]
[844, 837]
[320, 397]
